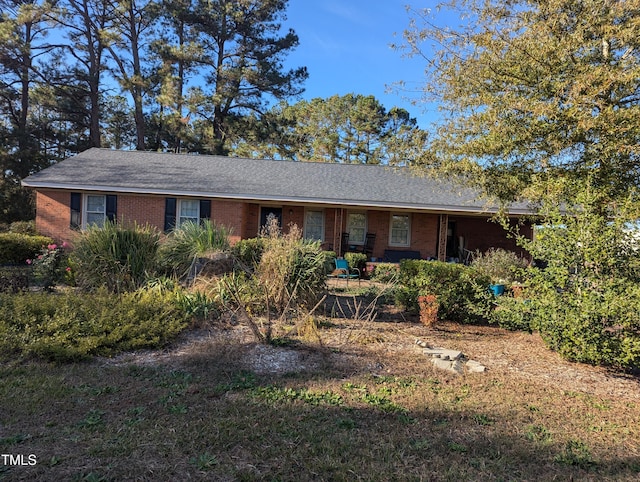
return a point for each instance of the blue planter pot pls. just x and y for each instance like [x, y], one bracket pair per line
[497, 290]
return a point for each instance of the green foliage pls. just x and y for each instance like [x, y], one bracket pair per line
[585, 303]
[73, 326]
[197, 305]
[352, 128]
[356, 260]
[501, 266]
[512, 313]
[461, 290]
[50, 266]
[587, 320]
[16, 248]
[23, 227]
[248, 252]
[385, 273]
[192, 240]
[291, 271]
[115, 257]
[534, 95]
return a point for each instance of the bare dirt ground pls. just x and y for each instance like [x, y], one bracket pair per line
[387, 345]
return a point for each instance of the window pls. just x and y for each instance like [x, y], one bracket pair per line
[189, 211]
[95, 210]
[314, 225]
[180, 211]
[91, 209]
[399, 230]
[356, 227]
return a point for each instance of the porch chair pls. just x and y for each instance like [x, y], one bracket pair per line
[344, 244]
[344, 271]
[369, 242]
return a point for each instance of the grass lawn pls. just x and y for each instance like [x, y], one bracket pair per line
[364, 404]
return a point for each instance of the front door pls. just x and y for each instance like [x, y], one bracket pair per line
[266, 213]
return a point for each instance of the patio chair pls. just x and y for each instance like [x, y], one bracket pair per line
[369, 242]
[344, 271]
[344, 244]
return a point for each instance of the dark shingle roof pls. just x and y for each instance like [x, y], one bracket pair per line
[257, 179]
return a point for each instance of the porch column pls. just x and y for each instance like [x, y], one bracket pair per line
[442, 237]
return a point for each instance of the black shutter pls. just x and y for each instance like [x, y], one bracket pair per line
[75, 205]
[169, 213]
[112, 204]
[205, 209]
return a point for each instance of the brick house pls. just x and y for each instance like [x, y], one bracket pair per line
[402, 213]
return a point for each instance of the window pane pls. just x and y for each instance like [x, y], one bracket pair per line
[313, 224]
[357, 226]
[400, 228]
[95, 210]
[95, 204]
[95, 219]
[189, 211]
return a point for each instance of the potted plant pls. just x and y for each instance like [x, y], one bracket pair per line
[500, 266]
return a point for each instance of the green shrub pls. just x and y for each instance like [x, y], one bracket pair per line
[356, 260]
[461, 290]
[512, 313]
[17, 248]
[23, 227]
[386, 273]
[291, 271]
[329, 261]
[500, 266]
[586, 302]
[588, 320]
[74, 326]
[50, 266]
[248, 252]
[191, 240]
[116, 257]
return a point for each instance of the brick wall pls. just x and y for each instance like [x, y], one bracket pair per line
[53, 218]
[481, 234]
[53, 215]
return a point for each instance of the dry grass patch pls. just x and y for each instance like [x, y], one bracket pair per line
[363, 405]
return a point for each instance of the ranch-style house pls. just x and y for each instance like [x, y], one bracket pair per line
[389, 213]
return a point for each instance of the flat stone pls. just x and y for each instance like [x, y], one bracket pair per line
[453, 366]
[443, 353]
[475, 367]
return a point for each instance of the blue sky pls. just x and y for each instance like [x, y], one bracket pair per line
[345, 44]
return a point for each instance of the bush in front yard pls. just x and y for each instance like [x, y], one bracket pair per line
[184, 245]
[115, 257]
[74, 326]
[16, 248]
[248, 252]
[461, 291]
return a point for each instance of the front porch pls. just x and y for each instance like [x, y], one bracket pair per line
[392, 235]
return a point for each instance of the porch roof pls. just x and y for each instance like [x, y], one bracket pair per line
[259, 180]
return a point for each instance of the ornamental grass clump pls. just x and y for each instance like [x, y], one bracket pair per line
[291, 270]
[118, 258]
[184, 245]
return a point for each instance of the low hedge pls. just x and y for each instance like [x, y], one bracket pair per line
[16, 248]
[72, 326]
[462, 291]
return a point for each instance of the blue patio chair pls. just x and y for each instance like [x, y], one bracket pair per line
[344, 271]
